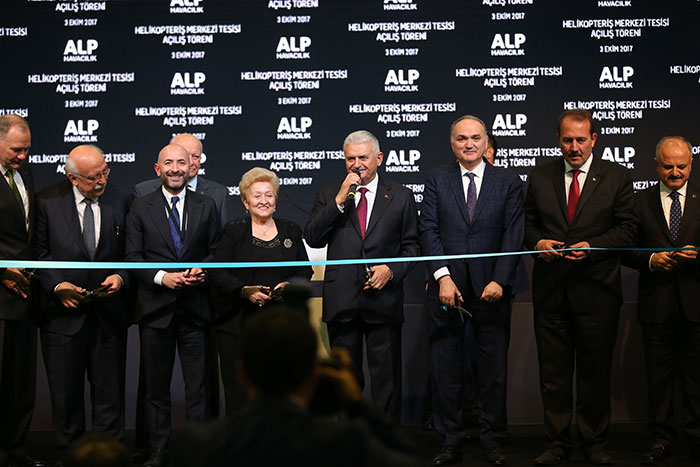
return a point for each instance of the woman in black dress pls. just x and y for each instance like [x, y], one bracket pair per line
[241, 292]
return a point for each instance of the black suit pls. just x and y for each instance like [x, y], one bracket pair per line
[17, 332]
[92, 338]
[171, 318]
[668, 310]
[577, 303]
[349, 310]
[236, 245]
[275, 431]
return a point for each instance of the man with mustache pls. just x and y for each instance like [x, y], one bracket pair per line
[470, 206]
[577, 201]
[668, 216]
[364, 303]
[85, 323]
[172, 224]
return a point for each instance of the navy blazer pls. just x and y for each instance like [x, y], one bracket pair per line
[392, 232]
[59, 238]
[148, 239]
[16, 242]
[683, 283]
[497, 226]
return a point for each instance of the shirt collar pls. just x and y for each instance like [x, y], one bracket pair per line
[192, 183]
[372, 186]
[169, 197]
[478, 170]
[666, 191]
[585, 168]
[79, 197]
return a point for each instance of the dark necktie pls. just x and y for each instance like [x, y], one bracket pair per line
[471, 195]
[174, 222]
[674, 220]
[10, 174]
[362, 210]
[574, 192]
[89, 228]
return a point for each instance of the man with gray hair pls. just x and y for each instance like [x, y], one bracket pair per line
[17, 332]
[366, 216]
[84, 325]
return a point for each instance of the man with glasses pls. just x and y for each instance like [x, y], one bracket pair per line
[85, 323]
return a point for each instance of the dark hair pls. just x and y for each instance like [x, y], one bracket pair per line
[278, 350]
[96, 450]
[578, 115]
[492, 142]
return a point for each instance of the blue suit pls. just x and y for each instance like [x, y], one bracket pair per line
[497, 226]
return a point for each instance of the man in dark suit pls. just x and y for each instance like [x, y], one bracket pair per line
[172, 224]
[470, 207]
[225, 205]
[668, 216]
[280, 371]
[17, 332]
[366, 302]
[577, 201]
[85, 321]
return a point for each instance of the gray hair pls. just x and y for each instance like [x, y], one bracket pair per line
[466, 117]
[668, 138]
[7, 122]
[362, 136]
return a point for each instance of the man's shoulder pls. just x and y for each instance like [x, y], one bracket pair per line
[116, 193]
[393, 186]
[55, 190]
[147, 187]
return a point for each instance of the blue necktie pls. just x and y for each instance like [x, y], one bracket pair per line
[674, 221]
[89, 228]
[471, 195]
[174, 222]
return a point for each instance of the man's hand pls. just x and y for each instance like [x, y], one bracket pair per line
[379, 276]
[194, 276]
[547, 244]
[686, 255]
[278, 290]
[174, 280]
[13, 279]
[256, 294]
[579, 254]
[492, 293]
[344, 378]
[449, 293]
[114, 284]
[69, 294]
[342, 196]
[663, 261]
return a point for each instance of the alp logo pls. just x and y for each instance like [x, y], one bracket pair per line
[401, 80]
[186, 6]
[187, 83]
[400, 5]
[293, 128]
[293, 48]
[504, 44]
[616, 77]
[81, 131]
[621, 155]
[509, 125]
[80, 51]
[402, 161]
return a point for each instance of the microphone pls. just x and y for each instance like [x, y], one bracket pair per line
[353, 188]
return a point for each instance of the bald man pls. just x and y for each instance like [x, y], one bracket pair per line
[218, 192]
[172, 224]
[84, 326]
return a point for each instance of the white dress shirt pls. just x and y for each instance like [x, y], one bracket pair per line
[158, 278]
[569, 177]
[22, 191]
[96, 212]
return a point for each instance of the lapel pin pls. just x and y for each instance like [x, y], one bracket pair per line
[594, 179]
[694, 196]
[386, 196]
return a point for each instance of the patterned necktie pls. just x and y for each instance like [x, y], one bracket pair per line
[362, 210]
[10, 174]
[89, 228]
[674, 221]
[174, 222]
[471, 195]
[574, 192]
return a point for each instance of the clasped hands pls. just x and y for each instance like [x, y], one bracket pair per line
[548, 248]
[17, 280]
[186, 278]
[669, 260]
[261, 295]
[71, 296]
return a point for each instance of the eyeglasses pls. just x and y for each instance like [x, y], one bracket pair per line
[94, 178]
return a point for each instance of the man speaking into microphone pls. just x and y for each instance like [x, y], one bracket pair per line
[366, 216]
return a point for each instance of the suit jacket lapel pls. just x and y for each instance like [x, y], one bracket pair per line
[592, 180]
[486, 191]
[381, 200]
[193, 215]
[156, 207]
[559, 188]
[454, 180]
[657, 210]
[106, 224]
[70, 213]
[690, 210]
[9, 197]
[352, 212]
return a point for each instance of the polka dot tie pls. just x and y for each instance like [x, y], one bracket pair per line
[674, 221]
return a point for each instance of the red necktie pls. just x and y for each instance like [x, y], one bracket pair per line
[574, 192]
[362, 210]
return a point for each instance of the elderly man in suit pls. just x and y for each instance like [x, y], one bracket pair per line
[470, 207]
[363, 302]
[668, 216]
[224, 204]
[85, 322]
[577, 201]
[17, 332]
[172, 224]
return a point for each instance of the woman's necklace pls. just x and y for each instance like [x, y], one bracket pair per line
[265, 232]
